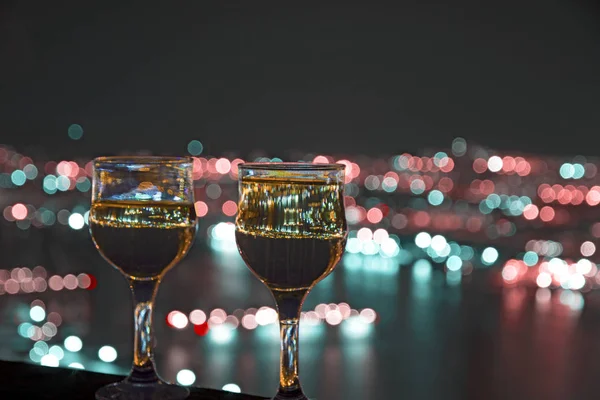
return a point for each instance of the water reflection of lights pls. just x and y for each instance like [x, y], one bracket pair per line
[222, 237]
[221, 327]
[453, 278]
[355, 328]
[222, 334]
[572, 299]
[550, 271]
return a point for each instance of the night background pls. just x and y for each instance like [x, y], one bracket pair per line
[468, 129]
[316, 76]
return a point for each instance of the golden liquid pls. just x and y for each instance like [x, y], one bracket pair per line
[291, 234]
[143, 239]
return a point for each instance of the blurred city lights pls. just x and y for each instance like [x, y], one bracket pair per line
[177, 319]
[197, 317]
[587, 249]
[423, 240]
[489, 256]
[464, 200]
[49, 360]
[107, 354]
[221, 334]
[186, 377]
[231, 387]
[195, 148]
[454, 263]
[356, 328]
[73, 343]
[422, 270]
[18, 177]
[57, 352]
[37, 313]
[75, 131]
[76, 221]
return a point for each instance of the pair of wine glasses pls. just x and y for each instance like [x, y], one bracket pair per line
[290, 231]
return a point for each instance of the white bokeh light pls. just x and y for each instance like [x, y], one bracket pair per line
[186, 377]
[232, 387]
[73, 344]
[107, 353]
[76, 221]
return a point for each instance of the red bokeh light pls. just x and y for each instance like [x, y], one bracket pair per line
[201, 330]
[522, 167]
[197, 168]
[223, 166]
[229, 208]
[19, 211]
[93, 282]
[348, 175]
[474, 224]
[487, 187]
[578, 197]
[349, 201]
[531, 211]
[547, 214]
[508, 164]
[447, 164]
[374, 215]
[212, 166]
[421, 219]
[445, 185]
[564, 196]
[234, 167]
[480, 165]
[201, 209]
[593, 196]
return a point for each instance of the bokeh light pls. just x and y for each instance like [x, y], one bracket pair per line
[107, 354]
[73, 344]
[195, 147]
[489, 256]
[186, 377]
[75, 131]
[231, 387]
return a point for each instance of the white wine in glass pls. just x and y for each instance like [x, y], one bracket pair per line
[143, 222]
[291, 233]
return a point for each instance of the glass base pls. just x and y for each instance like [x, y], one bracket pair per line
[126, 390]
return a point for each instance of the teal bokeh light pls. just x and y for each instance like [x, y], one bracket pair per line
[195, 148]
[75, 131]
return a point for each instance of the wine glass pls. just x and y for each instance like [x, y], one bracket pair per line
[143, 222]
[291, 232]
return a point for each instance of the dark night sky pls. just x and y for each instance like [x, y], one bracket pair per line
[246, 75]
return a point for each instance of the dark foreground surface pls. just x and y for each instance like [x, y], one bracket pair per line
[26, 381]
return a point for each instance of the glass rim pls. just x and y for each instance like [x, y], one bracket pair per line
[291, 166]
[150, 160]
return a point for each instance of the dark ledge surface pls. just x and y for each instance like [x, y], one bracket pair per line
[28, 381]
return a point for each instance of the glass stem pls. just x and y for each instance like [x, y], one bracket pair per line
[289, 305]
[144, 292]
